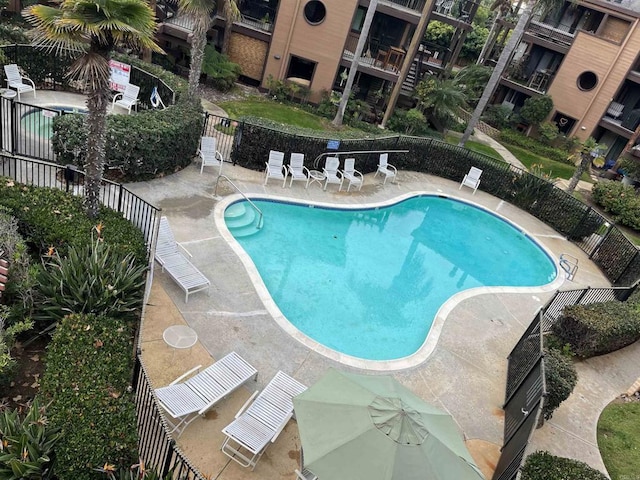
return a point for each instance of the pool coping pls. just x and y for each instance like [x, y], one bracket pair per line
[431, 341]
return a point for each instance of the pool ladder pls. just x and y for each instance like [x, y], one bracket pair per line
[569, 264]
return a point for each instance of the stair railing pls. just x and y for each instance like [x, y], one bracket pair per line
[258, 211]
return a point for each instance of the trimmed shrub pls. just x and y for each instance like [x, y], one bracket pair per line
[598, 328]
[90, 279]
[222, 72]
[561, 378]
[498, 116]
[536, 109]
[544, 466]
[20, 279]
[8, 365]
[143, 146]
[48, 217]
[409, 122]
[619, 200]
[514, 138]
[89, 363]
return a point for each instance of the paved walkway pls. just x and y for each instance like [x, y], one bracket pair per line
[464, 375]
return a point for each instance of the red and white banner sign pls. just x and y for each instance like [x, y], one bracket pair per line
[120, 73]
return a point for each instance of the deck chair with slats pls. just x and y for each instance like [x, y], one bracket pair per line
[17, 81]
[184, 400]
[471, 179]
[126, 99]
[296, 168]
[209, 154]
[275, 167]
[177, 266]
[386, 169]
[351, 175]
[330, 170]
[615, 110]
[260, 420]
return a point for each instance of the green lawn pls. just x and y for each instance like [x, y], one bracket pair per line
[475, 147]
[619, 439]
[550, 167]
[277, 112]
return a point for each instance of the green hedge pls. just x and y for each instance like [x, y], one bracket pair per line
[48, 217]
[560, 378]
[516, 139]
[598, 328]
[619, 200]
[142, 146]
[87, 375]
[544, 466]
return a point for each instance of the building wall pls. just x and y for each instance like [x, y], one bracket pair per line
[322, 43]
[249, 53]
[609, 61]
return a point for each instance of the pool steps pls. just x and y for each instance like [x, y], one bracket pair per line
[241, 221]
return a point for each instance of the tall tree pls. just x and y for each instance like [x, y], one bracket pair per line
[199, 12]
[94, 28]
[503, 60]
[231, 14]
[440, 98]
[364, 33]
[589, 151]
[501, 8]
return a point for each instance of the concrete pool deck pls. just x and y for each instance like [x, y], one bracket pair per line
[465, 374]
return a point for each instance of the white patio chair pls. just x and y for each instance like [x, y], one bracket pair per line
[184, 400]
[330, 171]
[296, 168]
[260, 420]
[386, 169]
[275, 167]
[177, 266]
[209, 154]
[305, 474]
[350, 174]
[16, 81]
[615, 110]
[127, 99]
[471, 179]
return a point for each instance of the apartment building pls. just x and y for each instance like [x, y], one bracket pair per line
[313, 42]
[586, 56]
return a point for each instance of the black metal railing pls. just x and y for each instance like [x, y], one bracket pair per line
[416, 5]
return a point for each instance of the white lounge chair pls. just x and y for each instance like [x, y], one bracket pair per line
[260, 420]
[184, 400]
[350, 174]
[330, 171]
[126, 99]
[386, 169]
[209, 155]
[471, 179]
[275, 167]
[305, 474]
[177, 266]
[16, 81]
[296, 168]
[615, 110]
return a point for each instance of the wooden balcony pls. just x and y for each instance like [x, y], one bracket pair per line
[559, 35]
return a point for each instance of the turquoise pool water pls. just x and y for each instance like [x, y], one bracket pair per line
[368, 283]
[40, 122]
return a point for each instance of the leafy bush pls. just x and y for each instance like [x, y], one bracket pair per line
[48, 217]
[548, 131]
[90, 279]
[561, 378]
[512, 137]
[89, 363]
[222, 72]
[544, 466]
[27, 444]
[8, 335]
[498, 116]
[409, 122]
[20, 278]
[598, 328]
[619, 200]
[535, 109]
[142, 146]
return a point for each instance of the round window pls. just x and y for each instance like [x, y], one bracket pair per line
[587, 81]
[315, 12]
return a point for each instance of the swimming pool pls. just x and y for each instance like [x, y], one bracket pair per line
[40, 121]
[369, 282]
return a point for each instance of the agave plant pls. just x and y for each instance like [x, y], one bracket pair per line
[90, 279]
[26, 444]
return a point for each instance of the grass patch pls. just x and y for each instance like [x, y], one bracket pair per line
[477, 147]
[551, 167]
[277, 112]
[619, 439]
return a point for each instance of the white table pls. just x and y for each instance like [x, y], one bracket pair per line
[180, 337]
[315, 176]
[8, 93]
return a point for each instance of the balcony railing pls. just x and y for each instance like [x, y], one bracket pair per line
[260, 24]
[383, 57]
[559, 34]
[416, 5]
[181, 21]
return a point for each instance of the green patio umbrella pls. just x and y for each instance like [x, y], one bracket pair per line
[369, 427]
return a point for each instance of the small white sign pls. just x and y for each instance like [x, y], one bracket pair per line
[49, 113]
[120, 74]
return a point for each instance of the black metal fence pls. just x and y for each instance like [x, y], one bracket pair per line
[114, 195]
[155, 445]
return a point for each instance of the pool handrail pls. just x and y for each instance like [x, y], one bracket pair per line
[260, 214]
[316, 161]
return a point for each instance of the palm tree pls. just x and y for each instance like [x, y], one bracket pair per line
[442, 98]
[589, 150]
[231, 14]
[502, 8]
[199, 11]
[364, 33]
[503, 60]
[94, 28]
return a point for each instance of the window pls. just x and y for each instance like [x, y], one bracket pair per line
[564, 122]
[587, 81]
[358, 19]
[301, 69]
[315, 12]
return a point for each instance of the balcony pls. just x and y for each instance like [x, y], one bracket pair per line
[378, 58]
[621, 119]
[559, 34]
[461, 10]
[415, 5]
